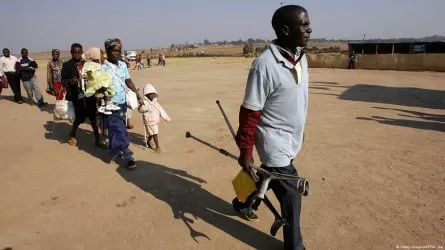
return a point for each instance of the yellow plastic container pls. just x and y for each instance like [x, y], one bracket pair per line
[243, 186]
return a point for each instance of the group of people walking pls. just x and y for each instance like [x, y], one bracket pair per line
[96, 82]
[23, 70]
[272, 116]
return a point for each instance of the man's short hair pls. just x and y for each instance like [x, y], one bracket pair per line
[76, 45]
[282, 15]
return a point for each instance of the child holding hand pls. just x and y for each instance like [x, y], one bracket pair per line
[151, 114]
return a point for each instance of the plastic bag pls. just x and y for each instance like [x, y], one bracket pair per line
[64, 110]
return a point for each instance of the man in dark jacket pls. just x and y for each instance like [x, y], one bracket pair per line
[76, 83]
[26, 67]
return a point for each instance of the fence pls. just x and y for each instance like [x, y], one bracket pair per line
[403, 62]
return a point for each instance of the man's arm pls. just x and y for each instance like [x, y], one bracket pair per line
[245, 137]
[17, 67]
[67, 75]
[34, 64]
[2, 70]
[257, 90]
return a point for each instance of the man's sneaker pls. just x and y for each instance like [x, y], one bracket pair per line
[131, 165]
[112, 107]
[102, 110]
[246, 212]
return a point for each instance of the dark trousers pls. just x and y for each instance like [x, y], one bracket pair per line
[351, 64]
[290, 203]
[85, 108]
[14, 83]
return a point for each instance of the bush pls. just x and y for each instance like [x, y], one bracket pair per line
[248, 49]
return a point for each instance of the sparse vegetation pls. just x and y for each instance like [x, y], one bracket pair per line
[248, 49]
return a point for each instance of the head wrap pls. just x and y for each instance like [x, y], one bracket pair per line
[93, 54]
[110, 43]
[55, 50]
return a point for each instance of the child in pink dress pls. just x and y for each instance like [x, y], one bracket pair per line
[151, 115]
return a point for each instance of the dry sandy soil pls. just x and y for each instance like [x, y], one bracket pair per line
[373, 154]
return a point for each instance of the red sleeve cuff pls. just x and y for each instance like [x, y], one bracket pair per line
[246, 152]
[245, 138]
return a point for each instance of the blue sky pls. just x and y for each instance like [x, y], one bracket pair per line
[44, 24]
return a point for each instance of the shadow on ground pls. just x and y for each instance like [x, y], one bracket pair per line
[48, 108]
[412, 97]
[327, 83]
[320, 88]
[85, 138]
[416, 114]
[435, 126]
[190, 202]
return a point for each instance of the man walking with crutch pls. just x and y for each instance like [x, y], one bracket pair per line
[273, 114]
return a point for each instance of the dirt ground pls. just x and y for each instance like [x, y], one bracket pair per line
[373, 156]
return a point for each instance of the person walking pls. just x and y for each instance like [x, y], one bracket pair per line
[274, 110]
[7, 68]
[352, 58]
[114, 124]
[76, 83]
[26, 67]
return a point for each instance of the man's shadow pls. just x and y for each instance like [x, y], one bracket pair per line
[183, 193]
[59, 131]
[47, 108]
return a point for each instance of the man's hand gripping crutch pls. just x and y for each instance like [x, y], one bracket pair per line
[302, 183]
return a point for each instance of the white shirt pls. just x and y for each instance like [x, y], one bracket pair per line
[280, 90]
[7, 64]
